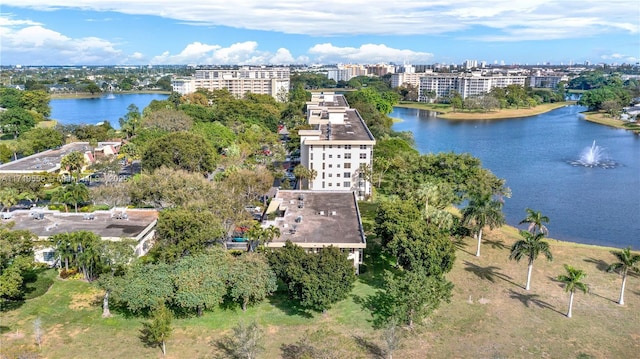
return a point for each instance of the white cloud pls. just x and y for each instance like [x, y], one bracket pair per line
[367, 53]
[508, 18]
[241, 53]
[44, 46]
[620, 58]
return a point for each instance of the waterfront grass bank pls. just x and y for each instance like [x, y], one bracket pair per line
[446, 112]
[77, 95]
[605, 119]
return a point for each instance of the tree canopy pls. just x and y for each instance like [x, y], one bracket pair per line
[315, 280]
[180, 150]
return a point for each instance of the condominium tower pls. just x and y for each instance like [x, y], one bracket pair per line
[339, 148]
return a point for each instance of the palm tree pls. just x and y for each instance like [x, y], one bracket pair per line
[531, 246]
[573, 280]
[483, 212]
[9, 197]
[270, 233]
[628, 262]
[73, 162]
[77, 193]
[65, 248]
[536, 220]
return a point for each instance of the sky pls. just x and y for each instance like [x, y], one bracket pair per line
[282, 32]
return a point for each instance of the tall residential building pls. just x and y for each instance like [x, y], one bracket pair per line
[272, 81]
[466, 84]
[339, 148]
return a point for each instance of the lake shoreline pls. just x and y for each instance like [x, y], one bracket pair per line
[447, 114]
[81, 95]
[603, 119]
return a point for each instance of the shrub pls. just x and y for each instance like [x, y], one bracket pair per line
[64, 274]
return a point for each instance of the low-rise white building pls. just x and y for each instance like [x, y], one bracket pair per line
[317, 219]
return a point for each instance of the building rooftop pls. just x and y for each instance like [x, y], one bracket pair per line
[49, 160]
[318, 218]
[353, 129]
[334, 120]
[104, 223]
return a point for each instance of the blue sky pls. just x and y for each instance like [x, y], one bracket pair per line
[140, 32]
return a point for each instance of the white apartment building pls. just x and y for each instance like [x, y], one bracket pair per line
[411, 78]
[346, 72]
[546, 81]
[338, 147]
[466, 84]
[274, 81]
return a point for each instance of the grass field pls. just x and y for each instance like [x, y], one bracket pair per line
[490, 315]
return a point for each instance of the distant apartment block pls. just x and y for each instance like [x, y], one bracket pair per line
[273, 81]
[466, 84]
[346, 72]
[406, 78]
[546, 81]
[339, 147]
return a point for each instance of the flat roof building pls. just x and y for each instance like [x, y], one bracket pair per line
[136, 224]
[49, 160]
[317, 219]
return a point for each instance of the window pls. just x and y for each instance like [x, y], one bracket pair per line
[363, 156]
[330, 175]
[363, 147]
[338, 156]
[337, 175]
[347, 184]
[330, 156]
[338, 165]
[329, 184]
[338, 184]
[347, 156]
[324, 158]
[330, 146]
[347, 165]
[347, 147]
[330, 165]
[311, 158]
[322, 175]
[347, 175]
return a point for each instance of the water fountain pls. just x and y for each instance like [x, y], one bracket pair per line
[594, 156]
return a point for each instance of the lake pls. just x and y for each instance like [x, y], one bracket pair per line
[534, 154]
[105, 108]
[591, 205]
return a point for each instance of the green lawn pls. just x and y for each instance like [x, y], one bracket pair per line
[490, 314]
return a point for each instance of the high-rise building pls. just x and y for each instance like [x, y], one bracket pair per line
[339, 148]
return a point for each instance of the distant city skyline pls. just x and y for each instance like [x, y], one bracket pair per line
[282, 32]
